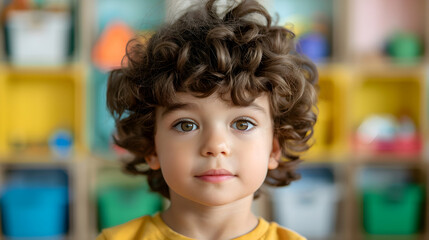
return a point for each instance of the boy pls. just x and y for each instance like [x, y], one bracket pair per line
[212, 107]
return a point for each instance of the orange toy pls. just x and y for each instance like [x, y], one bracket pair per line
[110, 47]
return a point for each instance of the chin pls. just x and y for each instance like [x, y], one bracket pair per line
[217, 201]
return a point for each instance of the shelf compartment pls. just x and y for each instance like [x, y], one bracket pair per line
[379, 105]
[330, 129]
[37, 105]
[386, 185]
[392, 199]
[44, 43]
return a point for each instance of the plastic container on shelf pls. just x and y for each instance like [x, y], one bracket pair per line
[385, 133]
[308, 206]
[393, 210]
[315, 46]
[122, 198]
[109, 50]
[118, 205]
[38, 37]
[404, 47]
[61, 143]
[382, 122]
[42, 177]
[35, 204]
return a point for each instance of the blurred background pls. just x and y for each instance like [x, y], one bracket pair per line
[365, 177]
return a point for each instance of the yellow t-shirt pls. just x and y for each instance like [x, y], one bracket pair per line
[154, 228]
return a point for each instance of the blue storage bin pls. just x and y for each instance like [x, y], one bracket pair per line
[315, 46]
[37, 178]
[35, 204]
[34, 211]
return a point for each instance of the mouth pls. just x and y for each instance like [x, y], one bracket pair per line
[215, 175]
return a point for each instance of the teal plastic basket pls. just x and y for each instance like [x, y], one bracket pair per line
[122, 198]
[117, 205]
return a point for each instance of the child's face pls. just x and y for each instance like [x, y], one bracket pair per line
[211, 152]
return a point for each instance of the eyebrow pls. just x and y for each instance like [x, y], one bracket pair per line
[251, 105]
[178, 106]
[257, 107]
[189, 106]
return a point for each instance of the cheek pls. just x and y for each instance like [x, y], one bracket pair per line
[254, 174]
[174, 158]
[254, 161]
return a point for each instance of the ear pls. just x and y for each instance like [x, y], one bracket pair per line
[153, 161]
[275, 154]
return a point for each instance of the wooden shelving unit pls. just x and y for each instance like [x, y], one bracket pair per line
[356, 81]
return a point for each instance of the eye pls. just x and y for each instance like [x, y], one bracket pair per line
[243, 125]
[185, 126]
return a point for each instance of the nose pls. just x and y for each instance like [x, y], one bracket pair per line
[215, 143]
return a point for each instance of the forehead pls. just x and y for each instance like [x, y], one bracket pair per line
[224, 99]
[187, 101]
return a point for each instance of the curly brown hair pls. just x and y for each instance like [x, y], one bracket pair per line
[204, 52]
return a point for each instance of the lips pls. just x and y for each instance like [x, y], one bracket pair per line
[215, 175]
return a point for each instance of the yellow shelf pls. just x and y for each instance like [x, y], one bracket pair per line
[396, 96]
[330, 131]
[36, 105]
[3, 105]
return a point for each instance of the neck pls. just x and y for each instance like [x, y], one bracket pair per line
[199, 221]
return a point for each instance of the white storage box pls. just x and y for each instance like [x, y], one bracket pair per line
[308, 209]
[38, 37]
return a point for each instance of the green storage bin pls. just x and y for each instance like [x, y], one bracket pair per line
[393, 211]
[122, 198]
[118, 205]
